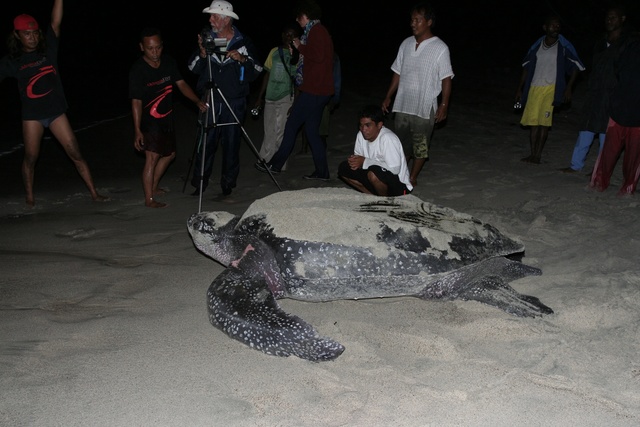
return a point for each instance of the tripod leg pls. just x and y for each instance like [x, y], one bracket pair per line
[264, 164]
[200, 188]
[247, 138]
[193, 155]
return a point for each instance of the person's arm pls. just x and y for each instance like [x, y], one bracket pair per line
[186, 90]
[196, 63]
[568, 92]
[56, 16]
[393, 153]
[523, 78]
[136, 113]
[316, 48]
[356, 160]
[441, 114]
[393, 87]
[337, 84]
[252, 67]
[263, 88]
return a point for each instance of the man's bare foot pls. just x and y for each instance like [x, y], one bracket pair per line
[100, 198]
[30, 202]
[568, 170]
[160, 192]
[623, 195]
[595, 186]
[531, 159]
[153, 204]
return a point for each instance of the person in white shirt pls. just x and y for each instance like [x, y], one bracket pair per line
[378, 165]
[422, 73]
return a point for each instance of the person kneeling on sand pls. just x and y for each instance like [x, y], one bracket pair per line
[378, 165]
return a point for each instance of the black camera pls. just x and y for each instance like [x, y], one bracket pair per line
[207, 42]
[213, 45]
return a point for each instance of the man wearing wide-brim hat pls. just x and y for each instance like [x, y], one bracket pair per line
[221, 7]
[233, 66]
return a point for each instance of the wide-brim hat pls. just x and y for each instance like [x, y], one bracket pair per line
[221, 7]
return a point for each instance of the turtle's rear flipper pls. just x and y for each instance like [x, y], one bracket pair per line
[493, 290]
[245, 309]
[488, 282]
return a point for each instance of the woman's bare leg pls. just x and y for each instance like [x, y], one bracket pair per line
[32, 132]
[63, 132]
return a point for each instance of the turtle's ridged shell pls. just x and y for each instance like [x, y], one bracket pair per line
[341, 236]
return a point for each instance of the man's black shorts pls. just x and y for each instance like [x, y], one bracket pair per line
[394, 186]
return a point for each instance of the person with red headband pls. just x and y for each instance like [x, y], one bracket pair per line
[33, 62]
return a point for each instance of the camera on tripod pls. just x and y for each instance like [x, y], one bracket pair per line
[207, 122]
[213, 45]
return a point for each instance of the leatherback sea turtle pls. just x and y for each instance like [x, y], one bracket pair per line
[324, 244]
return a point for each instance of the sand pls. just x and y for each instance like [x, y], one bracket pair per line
[104, 315]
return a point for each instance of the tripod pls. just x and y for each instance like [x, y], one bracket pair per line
[204, 127]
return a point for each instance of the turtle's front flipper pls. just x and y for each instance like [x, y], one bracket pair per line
[242, 306]
[488, 282]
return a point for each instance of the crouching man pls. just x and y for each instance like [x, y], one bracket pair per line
[377, 165]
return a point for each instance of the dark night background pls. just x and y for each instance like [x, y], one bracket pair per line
[99, 42]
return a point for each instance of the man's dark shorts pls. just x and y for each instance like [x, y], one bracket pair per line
[163, 143]
[394, 186]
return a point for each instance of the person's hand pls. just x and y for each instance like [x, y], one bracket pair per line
[202, 106]
[355, 162]
[385, 105]
[518, 94]
[441, 114]
[236, 56]
[138, 141]
[203, 52]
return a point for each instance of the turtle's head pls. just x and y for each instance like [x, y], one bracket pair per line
[212, 233]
